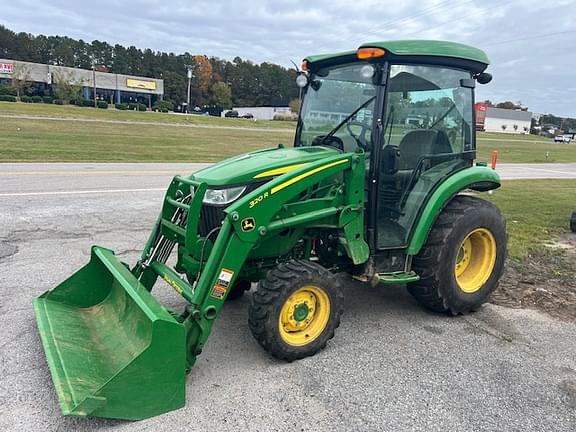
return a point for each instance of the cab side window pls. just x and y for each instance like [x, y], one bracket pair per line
[428, 119]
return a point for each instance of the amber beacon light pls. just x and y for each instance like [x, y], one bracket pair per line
[368, 53]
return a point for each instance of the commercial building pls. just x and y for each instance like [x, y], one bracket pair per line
[114, 88]
[501, 120]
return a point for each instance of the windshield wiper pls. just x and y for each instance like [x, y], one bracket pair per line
[443, 116]
[346, 119]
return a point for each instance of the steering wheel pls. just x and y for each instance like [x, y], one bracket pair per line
[361, 137]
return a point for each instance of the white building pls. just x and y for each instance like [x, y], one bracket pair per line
[260, 113]
[507, 121]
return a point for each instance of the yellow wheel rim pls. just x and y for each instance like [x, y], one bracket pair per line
[475, 260]
[304, 315]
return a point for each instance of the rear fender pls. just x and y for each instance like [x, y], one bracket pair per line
[477, 178]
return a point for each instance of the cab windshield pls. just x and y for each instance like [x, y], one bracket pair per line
[338, 108]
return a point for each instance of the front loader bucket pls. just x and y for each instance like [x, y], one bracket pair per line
[112, 349]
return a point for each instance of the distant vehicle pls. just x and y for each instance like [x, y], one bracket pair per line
[248, 116]
[562, 139]
[231, 114]
[416, 121]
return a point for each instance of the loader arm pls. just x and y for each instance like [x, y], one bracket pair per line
[250, 219]
[114, 351]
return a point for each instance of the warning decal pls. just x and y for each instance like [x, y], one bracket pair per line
[222, 284]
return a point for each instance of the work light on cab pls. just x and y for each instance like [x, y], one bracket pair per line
[302, 80]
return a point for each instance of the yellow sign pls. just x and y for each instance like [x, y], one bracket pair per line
[141, 84]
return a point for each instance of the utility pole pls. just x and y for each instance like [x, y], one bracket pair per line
[94, 81]
[562, 124]
[189, 75]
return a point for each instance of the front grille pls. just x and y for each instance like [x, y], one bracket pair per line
[210, 218]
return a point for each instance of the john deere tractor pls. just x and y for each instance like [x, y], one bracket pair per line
[381, 183]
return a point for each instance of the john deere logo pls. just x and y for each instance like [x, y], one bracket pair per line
[248, 224]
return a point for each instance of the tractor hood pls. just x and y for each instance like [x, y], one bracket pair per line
[260, 165]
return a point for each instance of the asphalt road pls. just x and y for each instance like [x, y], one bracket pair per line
[23, 179]
[391, 366]
[537, 171]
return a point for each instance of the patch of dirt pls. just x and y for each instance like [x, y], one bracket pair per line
[544, 280]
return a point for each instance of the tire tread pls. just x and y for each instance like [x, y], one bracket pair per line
[276, 286]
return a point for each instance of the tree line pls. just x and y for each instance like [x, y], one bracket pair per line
[215, 81]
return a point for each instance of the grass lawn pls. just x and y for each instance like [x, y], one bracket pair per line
[71, 111]
[52, 141]
[99, 140]
[523, 148]
[536, 211]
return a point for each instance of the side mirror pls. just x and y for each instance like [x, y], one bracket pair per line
[315, 84]
[484, 78]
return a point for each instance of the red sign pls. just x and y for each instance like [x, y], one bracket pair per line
[6, 68]
[481, 108]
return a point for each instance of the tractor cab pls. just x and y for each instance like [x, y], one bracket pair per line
[408, 106]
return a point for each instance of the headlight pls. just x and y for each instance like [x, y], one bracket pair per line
[223, 196]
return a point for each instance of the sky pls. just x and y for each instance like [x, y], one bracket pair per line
[531, 43]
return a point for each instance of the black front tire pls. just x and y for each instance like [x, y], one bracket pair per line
[573, 222]
[439, 288]
[276, 292]
[238, 289]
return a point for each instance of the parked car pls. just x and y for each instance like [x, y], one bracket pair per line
[562, 139]
[248, 116]
[231, 114]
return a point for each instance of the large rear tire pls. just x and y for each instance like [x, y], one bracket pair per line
[296, 309]
[463, 258]
[573, 222]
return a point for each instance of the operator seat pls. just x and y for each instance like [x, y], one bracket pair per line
[418, 143]
[413, 146]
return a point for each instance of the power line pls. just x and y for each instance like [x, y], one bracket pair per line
[529, 37]
[462, 17]
[398, 21]
[423, 13]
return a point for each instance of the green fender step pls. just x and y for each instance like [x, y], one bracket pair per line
[398, 278]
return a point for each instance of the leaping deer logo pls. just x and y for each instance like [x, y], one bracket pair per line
[248, 224]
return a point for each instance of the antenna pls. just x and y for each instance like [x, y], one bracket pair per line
[295, 65]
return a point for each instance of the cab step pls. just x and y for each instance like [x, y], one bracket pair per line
[397, 278]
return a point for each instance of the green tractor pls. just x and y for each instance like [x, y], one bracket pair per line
[381, 184]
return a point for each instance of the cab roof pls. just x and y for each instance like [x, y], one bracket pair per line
[442, 51]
